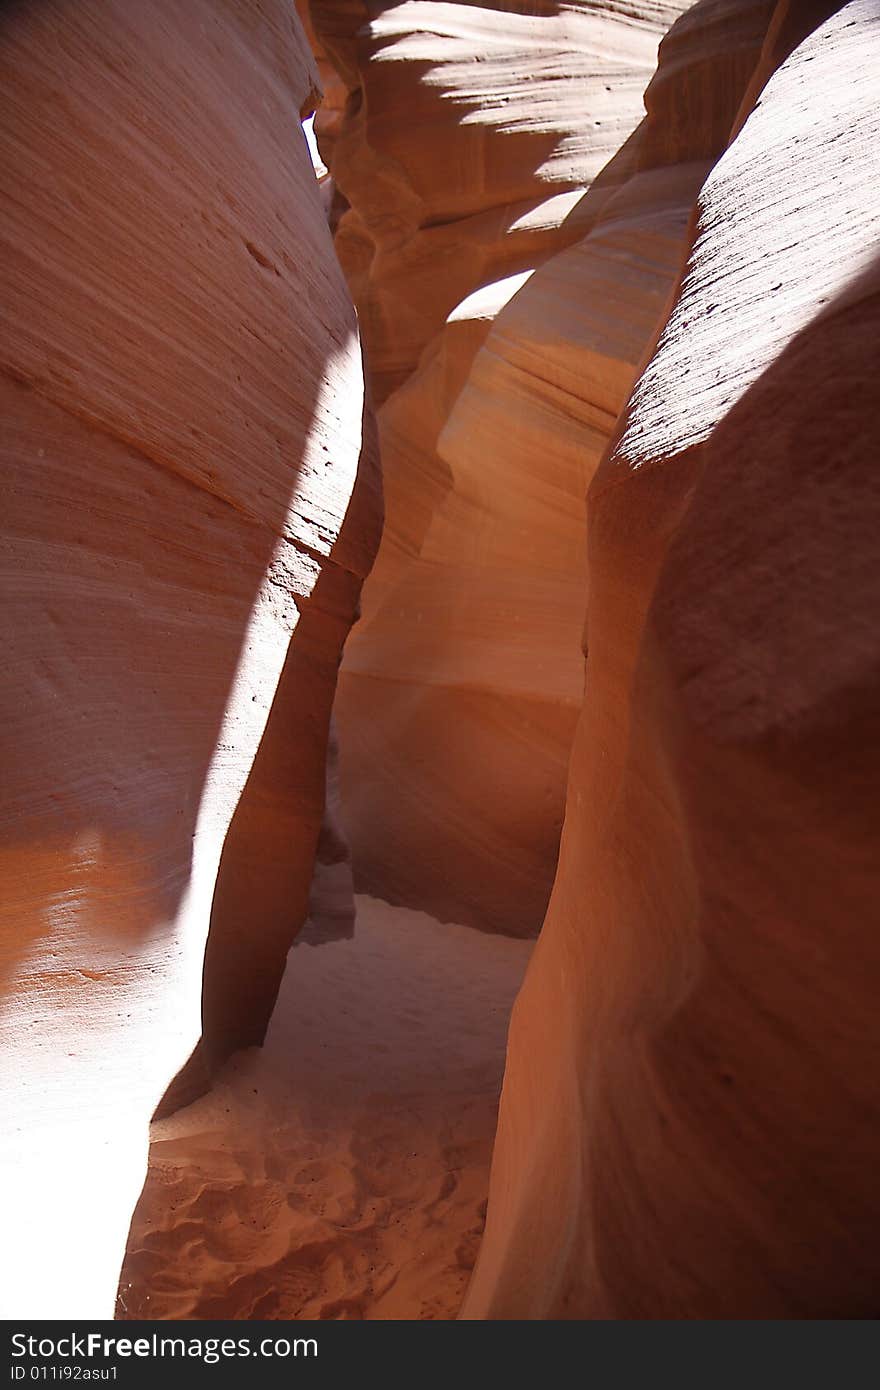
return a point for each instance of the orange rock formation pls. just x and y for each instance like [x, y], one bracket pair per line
[627, 360]
[462, 683]
[189, 505]
[690, 1123]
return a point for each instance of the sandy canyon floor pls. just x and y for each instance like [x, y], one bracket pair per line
[340, 1171]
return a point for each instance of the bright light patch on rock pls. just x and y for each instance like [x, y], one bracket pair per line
[320, 167]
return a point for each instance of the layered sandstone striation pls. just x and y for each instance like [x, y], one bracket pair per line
[469, 133]
[690, 1117]
[462, 683]
[190, 503]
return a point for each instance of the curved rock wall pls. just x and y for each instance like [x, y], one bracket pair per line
[189, 505]
[463, 681]
[689, 1125]
[470, 132]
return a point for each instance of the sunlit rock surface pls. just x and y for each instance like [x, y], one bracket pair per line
[182, 454]
[689, 1124]
[469, 133]
[462, 683]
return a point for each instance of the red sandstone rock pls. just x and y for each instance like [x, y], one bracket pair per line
[470, 133]
[690, 1123]
[189, 506]
[462, 683]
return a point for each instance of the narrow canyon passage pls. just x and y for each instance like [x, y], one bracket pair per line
[341, 1170]
[438, 542]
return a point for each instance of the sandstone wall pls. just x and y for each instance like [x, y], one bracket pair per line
[462, 683]
[189, 505]
[689, 1124]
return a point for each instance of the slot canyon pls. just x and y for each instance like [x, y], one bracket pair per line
[440, 859]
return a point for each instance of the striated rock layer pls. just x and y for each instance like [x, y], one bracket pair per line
[690, 1122]
[186, 488]
[462, 684]
[470, 131]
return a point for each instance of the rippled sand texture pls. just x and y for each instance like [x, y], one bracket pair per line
[342, 1170]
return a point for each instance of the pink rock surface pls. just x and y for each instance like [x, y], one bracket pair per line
[469, 133]
[182, 455]
[689, 1124]
[462, 684]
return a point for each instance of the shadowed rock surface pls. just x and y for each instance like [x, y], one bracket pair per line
[461, 687]
[189, 506]
[689, 1124]
[627, 357]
